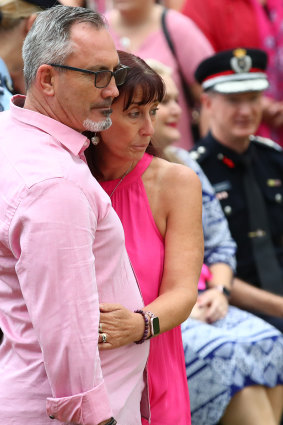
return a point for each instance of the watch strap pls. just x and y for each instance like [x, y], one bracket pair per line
[225, 291]
[154, 323]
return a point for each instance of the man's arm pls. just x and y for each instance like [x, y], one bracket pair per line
[249, 297]
[52, 235]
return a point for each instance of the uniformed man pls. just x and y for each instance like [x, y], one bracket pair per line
[247, 174]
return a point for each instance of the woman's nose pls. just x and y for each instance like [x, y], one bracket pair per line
[148, 127]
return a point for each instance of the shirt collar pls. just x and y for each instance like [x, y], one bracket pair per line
[68, 137]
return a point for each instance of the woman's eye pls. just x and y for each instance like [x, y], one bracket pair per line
[134, 114]
[154, 111]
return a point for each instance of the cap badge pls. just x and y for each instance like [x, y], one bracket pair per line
[241, 62]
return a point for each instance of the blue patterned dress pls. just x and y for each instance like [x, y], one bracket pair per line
[240, 350]
[5, 82]
[224, 357]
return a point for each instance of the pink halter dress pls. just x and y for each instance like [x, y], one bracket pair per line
[168, 388]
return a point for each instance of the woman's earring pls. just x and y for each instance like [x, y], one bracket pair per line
[95, 140]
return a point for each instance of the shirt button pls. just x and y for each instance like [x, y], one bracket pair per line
[220, 156]
[227, 210]
[278, 197]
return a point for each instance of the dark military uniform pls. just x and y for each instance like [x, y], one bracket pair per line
[224, 169]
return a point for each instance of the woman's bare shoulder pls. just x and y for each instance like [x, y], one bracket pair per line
[171, 173]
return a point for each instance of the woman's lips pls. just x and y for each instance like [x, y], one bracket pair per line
[140, 147]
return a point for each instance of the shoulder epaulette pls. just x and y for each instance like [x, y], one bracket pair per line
[266, 142]
[199, 153]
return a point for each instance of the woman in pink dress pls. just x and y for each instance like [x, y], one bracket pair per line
[159, 204]
[135, 26]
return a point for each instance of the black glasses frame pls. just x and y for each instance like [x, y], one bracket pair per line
[98, 73]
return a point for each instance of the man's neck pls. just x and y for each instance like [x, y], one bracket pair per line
[237, 144]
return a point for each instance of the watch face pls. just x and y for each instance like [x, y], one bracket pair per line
[155, 325]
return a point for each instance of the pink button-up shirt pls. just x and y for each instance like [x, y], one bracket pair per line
[62, 252]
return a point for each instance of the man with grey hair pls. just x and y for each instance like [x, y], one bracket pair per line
[62, 249]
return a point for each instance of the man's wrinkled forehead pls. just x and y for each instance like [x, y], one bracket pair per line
[93, 46]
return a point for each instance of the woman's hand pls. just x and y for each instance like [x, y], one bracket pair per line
[272, 112]
[119, 325]
[214, 303]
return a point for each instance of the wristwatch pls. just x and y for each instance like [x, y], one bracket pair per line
[154, 323]
[225, 291]
[112, 421]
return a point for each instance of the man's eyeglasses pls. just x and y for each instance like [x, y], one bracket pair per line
[103, 77]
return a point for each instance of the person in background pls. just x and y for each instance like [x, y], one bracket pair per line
[62, 247]
[136, 27]
[16, 19]
[217, 338]
[74, 3]
[246, 173]
[256, 24]
[165, 244]
[172, 4]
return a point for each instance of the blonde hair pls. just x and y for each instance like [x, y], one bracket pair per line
[164, 71]
[159, 67]
[12, 11]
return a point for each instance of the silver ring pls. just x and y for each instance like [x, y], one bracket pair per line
[100, 327]
[104, 338]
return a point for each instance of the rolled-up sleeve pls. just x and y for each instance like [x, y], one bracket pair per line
[52, 235]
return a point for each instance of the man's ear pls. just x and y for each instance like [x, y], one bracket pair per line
[45, 79]
[28, 22]
[205, 100]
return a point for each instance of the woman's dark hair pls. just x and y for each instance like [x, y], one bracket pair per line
[140, 75]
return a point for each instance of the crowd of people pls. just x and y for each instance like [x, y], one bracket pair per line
[141, 237]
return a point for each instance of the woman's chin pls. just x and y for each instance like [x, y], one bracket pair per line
[172, 136]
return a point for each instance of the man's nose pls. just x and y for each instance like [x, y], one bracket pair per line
[111, 90]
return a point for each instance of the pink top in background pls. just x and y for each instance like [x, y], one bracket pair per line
[191, 47]
[62, 252]
[205, 275]
[168, 388]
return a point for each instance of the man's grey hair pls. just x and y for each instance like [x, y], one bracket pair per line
[48, 40]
